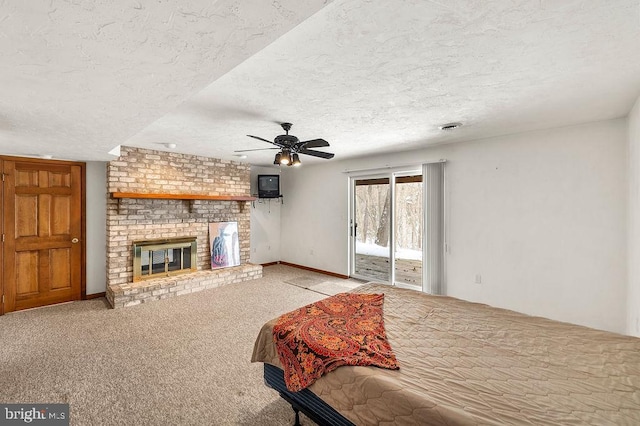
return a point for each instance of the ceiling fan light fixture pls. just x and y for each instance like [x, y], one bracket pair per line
[276, 161]
[285, 158]
[296, 160]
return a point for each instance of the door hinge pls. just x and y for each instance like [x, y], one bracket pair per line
[3, 299]
[3, 177]
[3, 238]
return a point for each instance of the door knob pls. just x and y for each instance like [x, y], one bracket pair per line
[75, 240]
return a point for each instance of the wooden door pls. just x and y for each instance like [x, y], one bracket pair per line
[43, 233]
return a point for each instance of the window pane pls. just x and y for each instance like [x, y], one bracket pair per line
[372, 216]
[408, 230]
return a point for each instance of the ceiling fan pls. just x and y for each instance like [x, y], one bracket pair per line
[290, 146]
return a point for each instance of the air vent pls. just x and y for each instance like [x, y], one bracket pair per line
[450, 126]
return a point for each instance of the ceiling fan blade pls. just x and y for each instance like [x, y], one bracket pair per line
[263, 139]
[257, 149]
[313, 143]
[319, 154]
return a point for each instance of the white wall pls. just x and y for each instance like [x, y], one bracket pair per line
[96, 182]
[315, 210]
[541, 216]
[633, 298]
[265, 222]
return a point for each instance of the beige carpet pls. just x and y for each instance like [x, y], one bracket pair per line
[180, 361]
[322, 284]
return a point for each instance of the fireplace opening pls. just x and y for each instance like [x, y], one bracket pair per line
[163, 258]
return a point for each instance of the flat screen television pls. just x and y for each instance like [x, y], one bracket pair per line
[268, 186]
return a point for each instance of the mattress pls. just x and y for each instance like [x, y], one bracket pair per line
[465, 363]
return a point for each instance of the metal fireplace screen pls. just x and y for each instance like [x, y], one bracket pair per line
[163, 258]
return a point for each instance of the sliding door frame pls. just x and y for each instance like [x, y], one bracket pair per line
[390, 174]
[353, 225]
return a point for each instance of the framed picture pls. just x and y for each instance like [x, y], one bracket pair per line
[224, 243]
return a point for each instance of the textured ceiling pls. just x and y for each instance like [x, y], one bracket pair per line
[369, 77]
[80, 77]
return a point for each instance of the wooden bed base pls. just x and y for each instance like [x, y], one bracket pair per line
[304, 401]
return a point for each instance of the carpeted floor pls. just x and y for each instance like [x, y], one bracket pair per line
[180, 361]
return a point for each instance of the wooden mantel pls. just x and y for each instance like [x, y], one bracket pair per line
[167, 196]
[187, 197]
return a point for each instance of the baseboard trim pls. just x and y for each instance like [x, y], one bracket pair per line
[95, 295]
[269, 264]
[320, 271]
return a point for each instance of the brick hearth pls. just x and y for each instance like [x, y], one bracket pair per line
[123, 295]
[133, 219]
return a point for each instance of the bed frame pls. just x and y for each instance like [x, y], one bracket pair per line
[303, 401]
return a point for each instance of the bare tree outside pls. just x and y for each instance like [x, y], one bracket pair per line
[382, 235]
[409, 215]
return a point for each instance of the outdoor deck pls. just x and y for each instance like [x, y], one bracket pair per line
[377, 268]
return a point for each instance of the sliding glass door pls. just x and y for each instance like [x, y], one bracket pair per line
[370, 228]
[387, 228]
[408, 229]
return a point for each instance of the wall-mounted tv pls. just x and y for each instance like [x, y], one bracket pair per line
[268, 186]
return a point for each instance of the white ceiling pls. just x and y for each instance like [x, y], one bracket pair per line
[79, 78]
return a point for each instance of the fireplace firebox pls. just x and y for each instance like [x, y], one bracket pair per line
[163, 258]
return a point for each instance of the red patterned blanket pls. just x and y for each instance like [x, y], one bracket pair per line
[345, 329]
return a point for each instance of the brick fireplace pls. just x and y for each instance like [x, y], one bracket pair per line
[141, 173]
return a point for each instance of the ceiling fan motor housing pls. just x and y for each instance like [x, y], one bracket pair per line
[286, 140]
